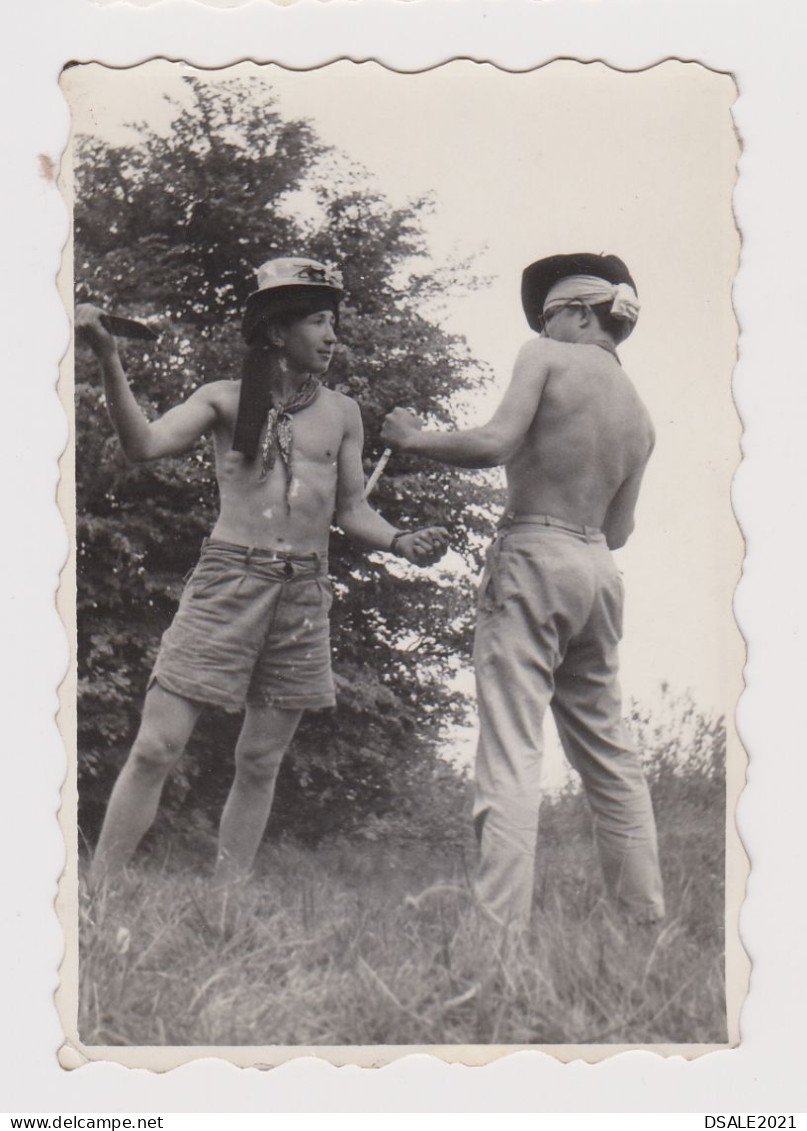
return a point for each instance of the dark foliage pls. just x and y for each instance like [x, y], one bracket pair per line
[170, 228]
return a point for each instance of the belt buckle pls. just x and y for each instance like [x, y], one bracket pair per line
[281, 560]
[284, 561]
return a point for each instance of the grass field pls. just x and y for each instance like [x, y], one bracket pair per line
[371, 944]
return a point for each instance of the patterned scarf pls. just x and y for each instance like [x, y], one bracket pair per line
[279, 436]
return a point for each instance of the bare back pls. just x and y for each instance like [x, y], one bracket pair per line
[590, 434]
[255, 511]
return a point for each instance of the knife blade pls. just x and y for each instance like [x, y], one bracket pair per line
[128, 328]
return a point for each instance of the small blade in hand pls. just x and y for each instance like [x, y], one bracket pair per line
[127, 328]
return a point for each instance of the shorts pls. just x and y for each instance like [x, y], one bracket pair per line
[252, 628]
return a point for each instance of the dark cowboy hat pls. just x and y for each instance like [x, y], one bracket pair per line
[540, 277]
[287, 283]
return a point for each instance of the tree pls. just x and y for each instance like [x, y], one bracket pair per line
[171, 227]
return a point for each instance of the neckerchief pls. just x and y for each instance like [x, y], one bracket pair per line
[279, 435]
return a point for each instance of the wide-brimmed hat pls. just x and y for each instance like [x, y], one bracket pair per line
[282, 274]
[539, 278]
[285, 282]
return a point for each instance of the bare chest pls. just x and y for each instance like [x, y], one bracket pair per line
[307, 442]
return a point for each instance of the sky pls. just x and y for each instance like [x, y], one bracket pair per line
[569, 157]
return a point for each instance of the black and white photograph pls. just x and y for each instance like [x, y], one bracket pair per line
[402, 558]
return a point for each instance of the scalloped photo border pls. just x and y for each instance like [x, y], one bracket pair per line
[697, 272]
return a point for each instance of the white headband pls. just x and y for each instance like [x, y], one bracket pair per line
[593, 290]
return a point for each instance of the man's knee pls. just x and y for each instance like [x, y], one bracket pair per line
[258, 762]
[154, 754]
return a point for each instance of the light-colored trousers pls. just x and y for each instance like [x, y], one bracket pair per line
[549, 623]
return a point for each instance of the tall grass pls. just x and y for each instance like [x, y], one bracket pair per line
[380, 943]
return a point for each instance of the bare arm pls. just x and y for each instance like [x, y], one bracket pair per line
[495, 442]
[619, 518]
[174, 433]
[358, 519]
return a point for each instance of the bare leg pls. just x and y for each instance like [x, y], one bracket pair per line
[165, 728]
[264, 739]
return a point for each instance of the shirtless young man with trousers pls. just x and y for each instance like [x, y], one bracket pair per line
[252, 628]
[574, 439]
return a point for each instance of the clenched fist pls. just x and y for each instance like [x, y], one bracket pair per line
[90, 329]
[423, 547]
[399, 425]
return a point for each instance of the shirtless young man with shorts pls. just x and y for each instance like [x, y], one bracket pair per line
[574, 439]
[252, 628]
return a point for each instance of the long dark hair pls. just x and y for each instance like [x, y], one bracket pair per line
[260, 369]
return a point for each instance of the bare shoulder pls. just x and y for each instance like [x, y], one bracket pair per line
[221, 396]
[542, 357]
[339, 402]
[219, 392]
[341, 406]
[538, 351]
